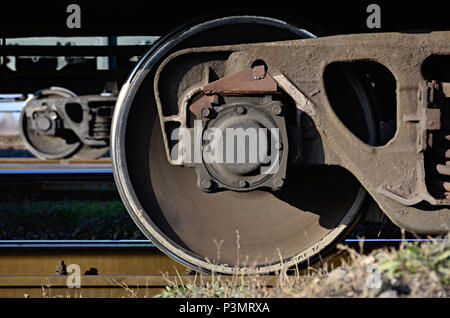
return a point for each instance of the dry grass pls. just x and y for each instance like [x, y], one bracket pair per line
[413, 270]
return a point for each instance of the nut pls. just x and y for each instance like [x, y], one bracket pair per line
[205, 112]
[240, 110]
[206, 184]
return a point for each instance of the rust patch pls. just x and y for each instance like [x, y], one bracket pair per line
[249, 81]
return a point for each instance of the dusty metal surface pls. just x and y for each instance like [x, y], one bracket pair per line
[394, 174]
[248, 81]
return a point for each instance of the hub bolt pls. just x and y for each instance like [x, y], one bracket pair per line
[240, 110]
[278, 182]
[205, 112]
[53, 115]
[206, 184]
[243, 183]
[277, 110]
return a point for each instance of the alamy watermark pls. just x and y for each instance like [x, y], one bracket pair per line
[73, 21]
[233, 145]
[374, 19]
[374, 278]
[74, 276]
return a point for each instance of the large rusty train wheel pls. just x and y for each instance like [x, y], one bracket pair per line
[253, 231]
[48, 147]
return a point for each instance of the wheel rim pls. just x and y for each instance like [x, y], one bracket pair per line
[213, 232]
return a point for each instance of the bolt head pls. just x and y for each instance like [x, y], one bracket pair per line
[206, 184]
[243, 183]
[277, 110]
[205, 112]
[278, 146]
[240, 110]
[278, 182]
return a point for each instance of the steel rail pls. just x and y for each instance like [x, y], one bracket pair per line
[33, 166]
[75, 243]
[148, 243]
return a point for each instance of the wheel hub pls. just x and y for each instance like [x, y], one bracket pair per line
[242, 145]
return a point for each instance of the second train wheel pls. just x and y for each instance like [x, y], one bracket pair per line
[48, 147]
[255, 231]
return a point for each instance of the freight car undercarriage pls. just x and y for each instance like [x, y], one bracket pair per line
[55, 124]
[394, 174]
[217, 215]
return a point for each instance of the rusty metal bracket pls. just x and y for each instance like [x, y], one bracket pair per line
[249, 81]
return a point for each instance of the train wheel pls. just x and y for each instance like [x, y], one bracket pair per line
[48, 147]
[254, 231]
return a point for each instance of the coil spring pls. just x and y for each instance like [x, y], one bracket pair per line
[443, 169]
[101, 122]
[101, 129]
[439, 163]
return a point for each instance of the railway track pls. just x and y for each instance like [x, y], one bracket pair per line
[108, 268]
[64, 166]
[81, 165]
[55, 174]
